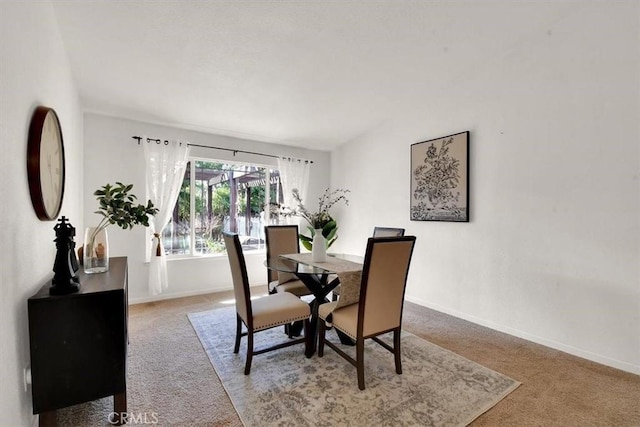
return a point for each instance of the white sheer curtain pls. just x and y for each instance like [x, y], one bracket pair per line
[294, 173]
[166, 164]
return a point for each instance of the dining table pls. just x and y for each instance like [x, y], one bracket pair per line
[320, 278]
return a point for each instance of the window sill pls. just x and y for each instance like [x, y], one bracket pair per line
[171, 258]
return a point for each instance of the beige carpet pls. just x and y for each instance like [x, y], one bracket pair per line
[438, 387]
[170, 375]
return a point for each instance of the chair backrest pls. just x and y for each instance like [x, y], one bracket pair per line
[280, 239]
[239, 275]
[384, 279]
[387, 232]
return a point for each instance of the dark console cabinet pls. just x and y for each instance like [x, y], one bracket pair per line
[79, 343]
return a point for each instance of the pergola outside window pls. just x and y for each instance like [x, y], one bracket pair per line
[219, 196]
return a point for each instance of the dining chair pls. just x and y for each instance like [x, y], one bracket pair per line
[377, 232]
[283, 239]
[387, 232]
[380, 304]
[262, 313]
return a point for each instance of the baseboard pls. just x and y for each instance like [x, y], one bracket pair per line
[604, 360]
[174, 295]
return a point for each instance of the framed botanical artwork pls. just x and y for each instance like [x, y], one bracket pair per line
[440, 179]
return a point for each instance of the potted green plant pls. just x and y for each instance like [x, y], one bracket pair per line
[116, 206]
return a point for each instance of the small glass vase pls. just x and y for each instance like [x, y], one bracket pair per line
[96, 251]
[319, 248]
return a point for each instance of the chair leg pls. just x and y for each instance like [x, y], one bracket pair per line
[396, 350]
[360, 362]
[247, 365]
[322, 327]
[308, 339]
[295, 328]
[236, 348]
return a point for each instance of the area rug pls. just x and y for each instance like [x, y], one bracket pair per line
[437, 387]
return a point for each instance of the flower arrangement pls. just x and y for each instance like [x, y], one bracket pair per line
[320, 219]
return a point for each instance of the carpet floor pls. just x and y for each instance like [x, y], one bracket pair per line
[437, 388]
[170, 378]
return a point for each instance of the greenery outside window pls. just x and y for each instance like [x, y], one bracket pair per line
[219, 196]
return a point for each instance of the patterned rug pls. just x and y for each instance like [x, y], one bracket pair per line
[437, 387]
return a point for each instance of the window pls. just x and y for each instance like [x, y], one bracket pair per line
[219, 196]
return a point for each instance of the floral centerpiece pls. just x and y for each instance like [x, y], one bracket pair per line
[320, 219]
[116, 206]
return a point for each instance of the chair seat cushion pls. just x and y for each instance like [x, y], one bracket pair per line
[295, 287]
[278, 309]
[326, 309]
[344, 318]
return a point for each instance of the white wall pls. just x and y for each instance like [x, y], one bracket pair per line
[552, 250]
[112, 155]
[34, 71]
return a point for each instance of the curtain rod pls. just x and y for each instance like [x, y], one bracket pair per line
[233, 150]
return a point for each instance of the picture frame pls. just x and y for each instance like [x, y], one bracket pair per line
[440, 179]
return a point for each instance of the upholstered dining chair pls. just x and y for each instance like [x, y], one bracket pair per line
[387, 232]
[377, 232]
[262, 313]
[378, 309]
[283, 239]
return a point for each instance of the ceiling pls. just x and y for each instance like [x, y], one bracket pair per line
[312, 74]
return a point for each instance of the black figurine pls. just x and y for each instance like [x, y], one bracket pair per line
[65, 280]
